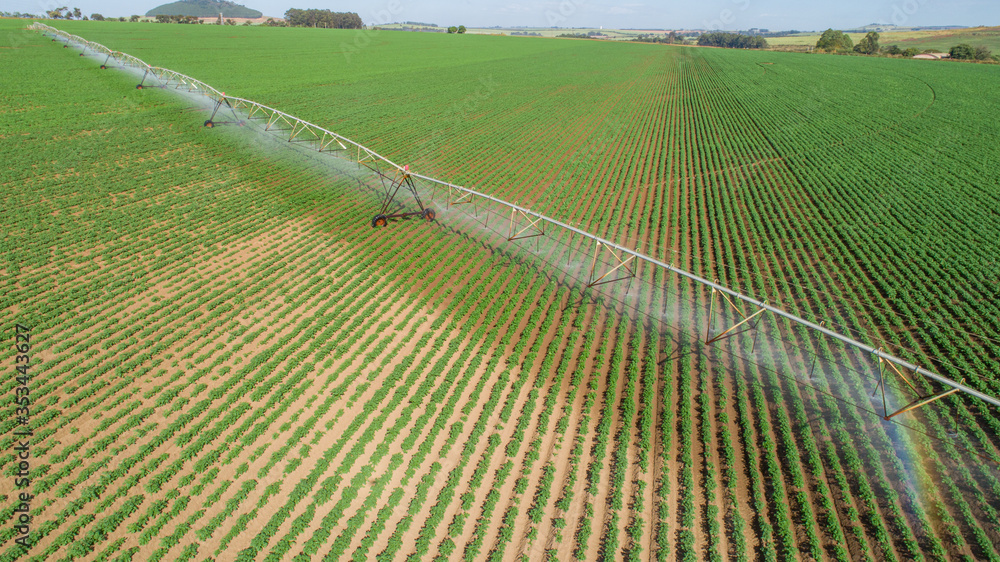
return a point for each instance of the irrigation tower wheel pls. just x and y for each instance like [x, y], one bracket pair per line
[429, 214]
[103, 67]
[138, 86]
[380, 220]
[209, 124]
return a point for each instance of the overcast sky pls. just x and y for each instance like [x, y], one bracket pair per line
[661, 14]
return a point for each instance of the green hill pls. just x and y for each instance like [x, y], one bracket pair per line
[204, 9]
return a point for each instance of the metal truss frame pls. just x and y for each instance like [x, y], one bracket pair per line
[623, 264]
[729, 332]
[921, 400]
[531, 227]
[523, 223]
[459, 197]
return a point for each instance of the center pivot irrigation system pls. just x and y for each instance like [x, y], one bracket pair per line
[609, 262]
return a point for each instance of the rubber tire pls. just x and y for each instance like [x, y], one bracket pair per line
[138, 86]
[103, 67]
[380, 220]
[209, 124]
[429, 214]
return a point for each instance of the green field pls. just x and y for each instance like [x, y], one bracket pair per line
[229, 362]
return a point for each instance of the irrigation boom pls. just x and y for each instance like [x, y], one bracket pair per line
[396, 178]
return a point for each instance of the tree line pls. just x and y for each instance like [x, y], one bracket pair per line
[588, 35]
[57, 14]
[672, 38]
[164, 18]
[75, 13]
[295, 17]
[732, 40]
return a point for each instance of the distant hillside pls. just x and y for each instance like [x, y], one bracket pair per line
[204, 9]
[988, 37]
[922, 39]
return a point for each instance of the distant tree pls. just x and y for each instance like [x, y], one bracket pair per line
[732, 40]
[892, 50]
[868, 45]
[133, 18]
[962, 52]
[461, 29]
[77, 13]
[833, 41]
[323, 18]
[983, 53]
[122, 18]
[230, 22]
[97, 17]
[57, 13]
[453, 29]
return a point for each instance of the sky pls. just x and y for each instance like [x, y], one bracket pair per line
[636, 14]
